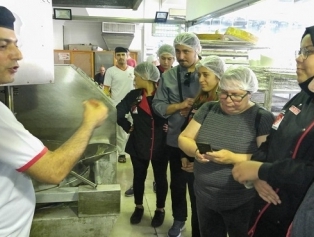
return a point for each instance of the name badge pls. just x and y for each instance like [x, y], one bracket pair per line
[294, 110]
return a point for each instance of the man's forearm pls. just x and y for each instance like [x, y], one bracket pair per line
[172, 108]
[55, 165]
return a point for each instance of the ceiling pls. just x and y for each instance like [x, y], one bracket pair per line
[179, 3]
[115, 4]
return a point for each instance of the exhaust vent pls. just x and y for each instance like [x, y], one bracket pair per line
[108, 27]
[117, 34]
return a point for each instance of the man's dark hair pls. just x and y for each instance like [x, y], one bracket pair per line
[6, 18]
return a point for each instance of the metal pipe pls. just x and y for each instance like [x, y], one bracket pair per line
[86, 181]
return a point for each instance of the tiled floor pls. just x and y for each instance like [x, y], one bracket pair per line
[123, 228]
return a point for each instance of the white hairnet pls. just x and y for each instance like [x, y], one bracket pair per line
[166, 49]
[147, 71]
[214, 64]
[152, 58]
[188, 39]
[240, 77]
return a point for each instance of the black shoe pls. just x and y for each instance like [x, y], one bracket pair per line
[137, 215]
[176, 228]
[129, 192]
[154, 187]
[158, 218]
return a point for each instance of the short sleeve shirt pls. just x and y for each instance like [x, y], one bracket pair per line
[19, 150]
[214, 184]
[120, 82]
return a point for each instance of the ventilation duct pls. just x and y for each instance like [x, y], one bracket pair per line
[116, 4]
[117, 34]
[177, 13]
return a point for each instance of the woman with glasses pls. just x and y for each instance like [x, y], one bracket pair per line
[210, 71]
[287, 168]
[230, 127]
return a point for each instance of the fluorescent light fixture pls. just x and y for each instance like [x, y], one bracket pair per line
[161, 17]
[62, 14]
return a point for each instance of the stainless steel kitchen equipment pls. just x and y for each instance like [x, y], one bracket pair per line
[103, 58]
[87, 202]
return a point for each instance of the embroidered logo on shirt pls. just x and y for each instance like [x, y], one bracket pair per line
[131, 75]
[294, 110]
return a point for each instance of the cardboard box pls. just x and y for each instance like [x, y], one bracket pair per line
[82, 47]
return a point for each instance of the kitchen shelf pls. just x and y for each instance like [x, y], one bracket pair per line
[226, 44]
[233, 52]
[274, 83]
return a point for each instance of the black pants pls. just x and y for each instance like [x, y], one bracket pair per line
[177, 184]
[179, 180]
[235, 222]
[140, 167]
[194, 219]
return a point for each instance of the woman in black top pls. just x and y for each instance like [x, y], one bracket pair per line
[147, 140]
[284, 166]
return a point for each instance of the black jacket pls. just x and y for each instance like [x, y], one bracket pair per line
[99, 78]
[291, 176]
[148, 138]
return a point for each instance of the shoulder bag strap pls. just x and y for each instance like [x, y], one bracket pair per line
[179, 83]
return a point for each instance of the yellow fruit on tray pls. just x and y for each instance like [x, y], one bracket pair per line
[236, 34]
[210, 36]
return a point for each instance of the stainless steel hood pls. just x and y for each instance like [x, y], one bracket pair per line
[54, 111]
[113, 40]
[117, 34]
[116, 4]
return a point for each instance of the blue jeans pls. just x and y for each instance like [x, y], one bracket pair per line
[235, 222]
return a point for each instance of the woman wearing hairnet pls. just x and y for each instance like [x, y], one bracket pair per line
[166, 54]
[210, 71]
[152, 59]
[231, 128]
[147, 140]
[287, 157]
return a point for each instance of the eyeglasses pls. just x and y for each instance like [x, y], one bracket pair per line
[304, 52]
[235, 98]
[187, 79]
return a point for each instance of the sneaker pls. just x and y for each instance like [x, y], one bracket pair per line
[158, 218]
[176, 228]
[137, 215]
[129, 192]
[154, 187]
